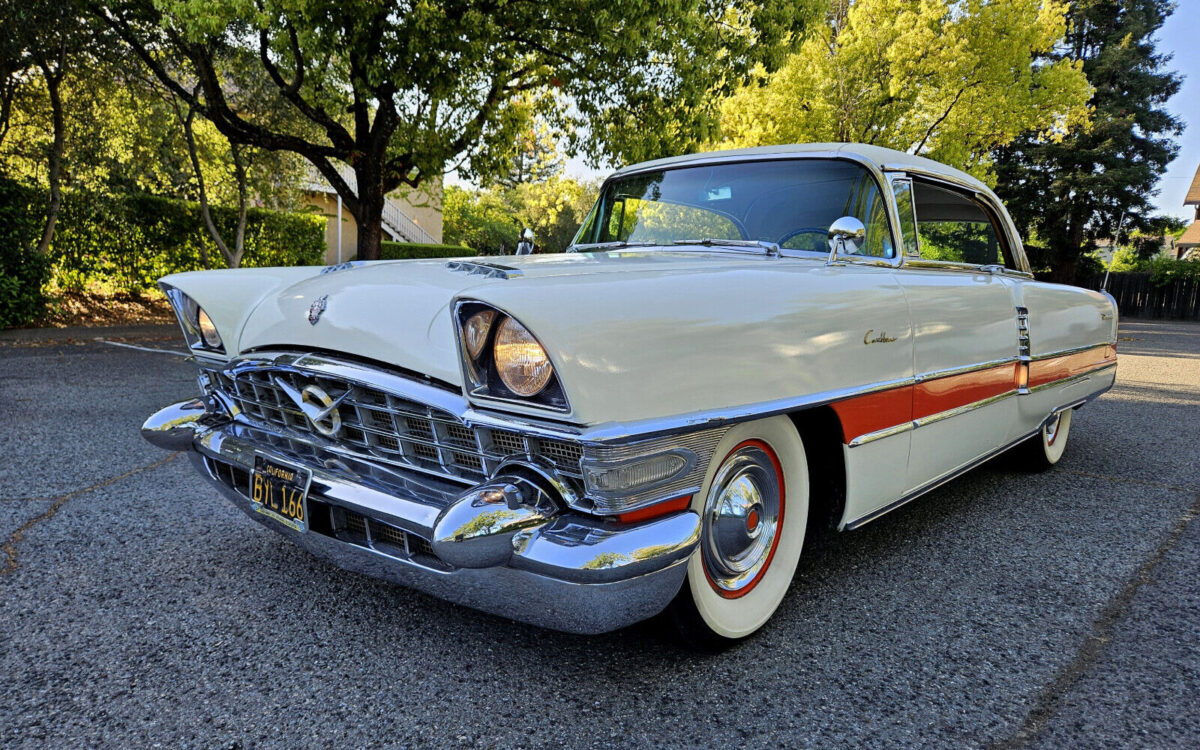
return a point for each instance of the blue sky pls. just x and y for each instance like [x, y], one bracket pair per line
[1179, 36]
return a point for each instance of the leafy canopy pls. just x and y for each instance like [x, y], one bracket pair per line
[947, 79]
[1098, 183]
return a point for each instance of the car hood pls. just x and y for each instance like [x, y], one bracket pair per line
[629, 332]
[399, 312]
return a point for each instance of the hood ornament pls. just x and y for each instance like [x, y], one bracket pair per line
[316, 308]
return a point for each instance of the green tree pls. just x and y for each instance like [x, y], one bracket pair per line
[399, 91]
[947, 79]
[478, 219]
[1098, 183]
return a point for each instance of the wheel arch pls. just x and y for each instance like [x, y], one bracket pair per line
[821, 434]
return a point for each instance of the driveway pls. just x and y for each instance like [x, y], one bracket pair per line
[1002, 610]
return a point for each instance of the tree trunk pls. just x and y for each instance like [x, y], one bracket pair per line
[370, 211]
[54, 174]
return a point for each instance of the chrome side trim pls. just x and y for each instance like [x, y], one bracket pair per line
[921, 422]
[871, 437]
[935, 374]
[934, 484]
[1072, 350]
[610, 432]
[1074, 378]
[903, 427]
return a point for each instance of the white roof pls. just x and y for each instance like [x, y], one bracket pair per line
[884, 158]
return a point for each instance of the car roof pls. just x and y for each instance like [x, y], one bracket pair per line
[884, 158]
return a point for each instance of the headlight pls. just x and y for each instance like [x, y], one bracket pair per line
[208, 331]
[521, 361]
[475, 332]
[198, 328]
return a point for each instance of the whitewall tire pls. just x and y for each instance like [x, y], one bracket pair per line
[1046, 448]
[754, 510]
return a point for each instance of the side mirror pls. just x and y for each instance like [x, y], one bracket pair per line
[846, 235]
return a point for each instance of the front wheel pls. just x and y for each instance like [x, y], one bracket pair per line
[753, 510]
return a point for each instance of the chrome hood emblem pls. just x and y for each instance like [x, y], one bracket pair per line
[316, 308]
[317, 405]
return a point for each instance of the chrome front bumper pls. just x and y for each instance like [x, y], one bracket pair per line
[561, 570]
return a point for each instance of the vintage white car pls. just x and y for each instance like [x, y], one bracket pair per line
[740, 345]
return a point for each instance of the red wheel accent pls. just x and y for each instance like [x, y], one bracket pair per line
[778, 524]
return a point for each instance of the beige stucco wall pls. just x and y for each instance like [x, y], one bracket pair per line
[424, 207]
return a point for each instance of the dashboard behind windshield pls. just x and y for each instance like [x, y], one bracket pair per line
[788, 202]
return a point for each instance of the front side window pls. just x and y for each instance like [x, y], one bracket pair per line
[954, 227]
[788, 202]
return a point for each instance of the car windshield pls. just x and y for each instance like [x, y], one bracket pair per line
[788, 202]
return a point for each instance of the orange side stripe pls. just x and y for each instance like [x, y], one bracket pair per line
[1044, 371]
[943, 394]
[861, 415]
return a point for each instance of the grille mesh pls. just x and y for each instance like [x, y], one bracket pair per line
[382, 425]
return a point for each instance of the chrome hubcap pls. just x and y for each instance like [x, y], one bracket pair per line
[741, 519]
[1052, 428]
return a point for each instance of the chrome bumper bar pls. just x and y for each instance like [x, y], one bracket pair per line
[491, 547]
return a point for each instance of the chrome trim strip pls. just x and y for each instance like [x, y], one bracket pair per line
[935, 374]
[934, 484]
[930, 419]
[1074, 378]
[1072, 350]
[871, 437]
[610, 432]
[903, 427]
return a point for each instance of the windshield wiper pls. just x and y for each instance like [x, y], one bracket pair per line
[771, 248]
[587, 247]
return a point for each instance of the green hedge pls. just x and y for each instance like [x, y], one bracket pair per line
[23, 272]
[130, 241]
[405, 250]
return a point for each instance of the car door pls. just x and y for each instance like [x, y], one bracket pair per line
[965, 329]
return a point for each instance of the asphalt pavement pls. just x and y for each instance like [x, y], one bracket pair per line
[1004, 609]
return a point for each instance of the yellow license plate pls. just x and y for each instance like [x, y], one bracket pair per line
[279, 490]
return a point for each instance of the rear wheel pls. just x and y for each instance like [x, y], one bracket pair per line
[753, 509]
[1046, 448]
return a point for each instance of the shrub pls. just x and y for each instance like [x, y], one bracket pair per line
[23, 271]
[1163, 271]
[130, 241]
[405, 250]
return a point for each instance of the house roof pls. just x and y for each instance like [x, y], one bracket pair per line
[1193, 193]
[1190, 236]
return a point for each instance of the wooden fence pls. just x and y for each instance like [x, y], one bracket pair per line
[1139, 297]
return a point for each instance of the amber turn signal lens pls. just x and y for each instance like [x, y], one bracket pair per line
[521, 361]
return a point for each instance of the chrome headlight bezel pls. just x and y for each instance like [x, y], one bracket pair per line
[191, 317]
[480, 370]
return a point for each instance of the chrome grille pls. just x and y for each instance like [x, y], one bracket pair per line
[385, 426]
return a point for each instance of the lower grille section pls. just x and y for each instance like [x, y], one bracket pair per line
[342, 524]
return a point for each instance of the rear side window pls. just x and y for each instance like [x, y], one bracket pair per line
[952, 226]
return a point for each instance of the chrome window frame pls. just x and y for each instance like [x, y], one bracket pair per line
[990, 203]
[893, 217]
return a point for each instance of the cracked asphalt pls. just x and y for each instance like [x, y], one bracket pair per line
[1003, 610]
